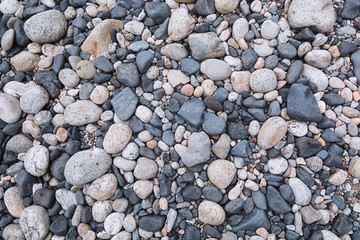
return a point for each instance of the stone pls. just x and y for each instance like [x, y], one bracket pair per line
[286, 50]
[99, 95]
[152, 223]
[174, 51]
[240, 81]
[189, 66]
[181, 24]
[314, 163]
[205, 7]
[97, 161]
[215, 69]
[129, 223]
[25, 61]
[198, 150]
[176, 77]
[144, 60]
[100, 210]
[354, 166]
[256, 219]
[69, 78]
[9, 6]
[277, 165]
[19, 144]
[275, 202]
[319, 17]
[37, 160]
[301, 191]
[44, 197]
[34, 222]
[269, 30]
[318, 58]
[213, 125]
[309, 214]
[104, 187]
[59, 226]
[263, 80]
[46, 27]
[351, 9]
[221, 173]
[143, 188]
[222, 147]
[114, 222]
[134, 27]
[192, 111]
[328, 235]
[98, 41]
[116, 138]
[241, 149]
[296, 128]
[338, 178]
[145, 169]
[302, 105]
[85, 69]
[158, 11]
[271, 132]
[13, 231]
[82, 112]
[10, 111]
[211, 213]
[239, 29]
[7, 40]
[13, 201]
[127, 74]
[65, 198]
[33, 99]
[206, 45]
[223, 6]
[307, 147]
[124, 103]
[262, 48]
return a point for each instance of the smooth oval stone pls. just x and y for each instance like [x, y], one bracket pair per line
[211, 213]
[82, 112]
[271, 132]
[10, 111]
[34, 222]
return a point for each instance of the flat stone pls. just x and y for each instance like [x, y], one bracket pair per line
[223, 6]
[240, 81]
[65, 198]
[318, 58]
[174, 51]
[222, 147]
[215, 69]
[301, 191]
[192, 111]
[176, 77]
[309, 214]
[143, 188]
[256, 219]
[13, 231]
[152, 223]
[46, 27]
[69, 78]
[82, 112]
[301, 104]
[271, 132]
[114, 222]
[198, 150]
[124, 104]
[354, 166]
[277, 165]
[338, 178]
[319, 17]
[307, 147]
[221, 173]
[240, 28]
[128, 75]
[97, 43]
[206, 45]
[275, 202]
[97, 161]
[211, 213]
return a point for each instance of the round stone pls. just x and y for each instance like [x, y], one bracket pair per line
[99, 95]
[143, 188]
[10, 111]
[13, 231]
[113, 223]
[69, 78]
[277, 165]
[145, 169]
[211, 213]
[129, 223]
[143, 113]
[269, 29]
[97, 161]
[215, 69]
[100, 210]
[116, 138]
[271, 132]
[314, 164]
[301, 191]
[37, 160]
[45, 27]
[318, 58]
[13, 201]
[34, 222]
[85, 69]
[34, 98]
[82, 112]
[263, 80]
[103, 187]
[221, 173]
[354, 167]
[296, 128]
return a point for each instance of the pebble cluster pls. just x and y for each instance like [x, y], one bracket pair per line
[180, 119]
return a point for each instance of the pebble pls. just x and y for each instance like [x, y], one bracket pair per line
[181, 24]
[46, 27]
[174, 51]
[215, 69]
[205, 45]
[13, 231]
[103, 187]
[98, 162]
[34, 222]
[10, 111]
[271, 132]
[37, 161]
[309, 214]
[85, 69]
[100, 210]
[318, 58]
[82, 112]
[198, 150]
[354, 166]
[25, 61]
[240, 81]
[263, 80]
[277, 165]
[338, 178]
[301, 191]
[269, 30]
[239, 29]
[69, 78]
[113, 223]
[211, 213]
[13, 201]
[145, 169]
[221, 173]
[116, 138]
[143, 188]
[7, 40]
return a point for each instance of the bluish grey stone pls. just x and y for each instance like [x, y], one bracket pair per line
[192, 111]
[152, 223]
[144, 60]
[256, 219]
[139, 46]
[189, 66]
[241, 149]
[274, 109]
[198, 150]
[169, 138]
[355, 58]
[302, 105]
[158, 11]
[104, 64]
[124, 104]
[205, 7]
[275, 202]
[259, 200]
[248, 58]
[127, 74]
[213, 125]
[294, 71]
[286, 50]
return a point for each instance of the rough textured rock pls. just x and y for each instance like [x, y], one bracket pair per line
[205, 45]
[34, 222]
[25, 61]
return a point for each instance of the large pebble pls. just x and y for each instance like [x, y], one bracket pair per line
[316, 76]
[9, 6]
[65, 198]
[103, 187]
[198, 150]
[143, 188]
[174, 51]
[7, 40]
[145, 169]
[116, 138]
[211, 213]
[69, 78]
[226, 6]
[82, 112]
[181, 24]
[37, 160]
[34, 98]
[354, 167]
[101, 209]
[271, 132]
[277, 165]
[34, 222]
[263, 80]
[239, 29]
[269, 29]
[215, 69]
[10, 111]
[25, 61]
[301, 191]
[13, 201]
[205, 45]
[318, 58]
[221, 173]
[113, 223]
[97, 162]
[316, 15]
[45, 27]
[13, 231]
